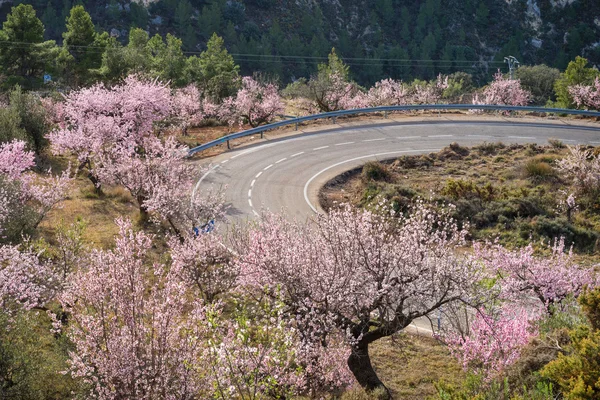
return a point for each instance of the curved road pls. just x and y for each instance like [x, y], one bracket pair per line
[287, 173]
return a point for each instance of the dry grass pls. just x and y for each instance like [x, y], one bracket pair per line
[410, 365]
[99, 213]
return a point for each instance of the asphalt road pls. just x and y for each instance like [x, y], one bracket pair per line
[287, 173]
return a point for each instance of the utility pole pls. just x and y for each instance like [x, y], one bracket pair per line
[513, 63]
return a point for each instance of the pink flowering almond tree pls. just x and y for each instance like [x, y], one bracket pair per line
[429, 92]
[586, 96]
[367, 275]
[582, 167]
[136, 327]
[255, 103]
[522, 275]
[494, 342]
[25, 281]
[504, 91]
[259, 352]
[162, 182]
[388, 92]
[102, 123]
[18, 184]
[335, 93]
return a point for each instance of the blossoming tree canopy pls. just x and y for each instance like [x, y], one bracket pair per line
[371, 276]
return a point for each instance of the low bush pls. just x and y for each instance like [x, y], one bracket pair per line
[375, 171]
[489, 148]
[539, 170]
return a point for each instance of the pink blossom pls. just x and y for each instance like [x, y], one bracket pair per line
[369, 276]
[255, 103]
[588, 96]
[494, 342]
[136, 328]
[25, 281]
[581, 166]
[522, 275]
[389, 92]
[504, 91]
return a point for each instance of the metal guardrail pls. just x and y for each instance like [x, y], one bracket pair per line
[334, 114]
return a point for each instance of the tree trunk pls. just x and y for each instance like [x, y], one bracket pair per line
[144, 215]
[359, 363]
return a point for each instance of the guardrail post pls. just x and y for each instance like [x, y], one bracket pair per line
[385, 114]
[334, 119]
[228, 147]
[296, 126]
[261, 135]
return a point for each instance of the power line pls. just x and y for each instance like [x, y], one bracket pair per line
[249, 57]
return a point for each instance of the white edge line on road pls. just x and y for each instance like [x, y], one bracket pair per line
[297, 154]
[225, 161]
[267, 167]
[253, 182]
[355, 159]
[440, 136]
[481, 136]
[522, 137]
[258, 175]
[210, 169]
[343, 144]
[250, 193]
[409, 137]
[282, 160]
[255, 213]
[320, 148]
[250, 202]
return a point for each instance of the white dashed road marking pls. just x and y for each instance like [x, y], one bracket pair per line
[440, 135]
[343, 144]
[258, 175]
[267, 167]
[253, 182]
[297, 154]
[374, 140]
[321, 148]
[282, 160]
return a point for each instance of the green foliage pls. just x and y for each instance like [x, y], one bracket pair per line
[32, 116]
[375, 171]
[576, 73]
[461, 189]
[25, 55]
[577, 372]
[475, 388]
[31, 358]
[539, 170]
[334, 66]
[10, 125]
[539, 80]
[82, 46]
[219, 73]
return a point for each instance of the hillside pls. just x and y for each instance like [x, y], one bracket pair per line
[396, 38]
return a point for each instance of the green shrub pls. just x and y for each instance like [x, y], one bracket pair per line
[32, 116]
[539, 170]
[489, 148]
[556, 143]
[10, 126]
[461, 189]
[375, 171]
